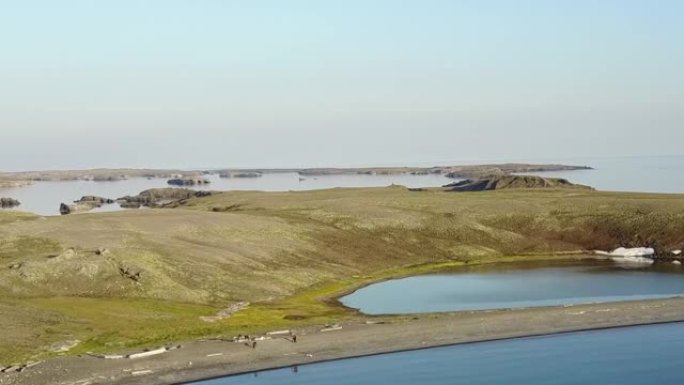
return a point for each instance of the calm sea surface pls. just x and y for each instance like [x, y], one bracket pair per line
[520, 285]
[642, 355]
[648, 174]
[44, 198]
[660, 174]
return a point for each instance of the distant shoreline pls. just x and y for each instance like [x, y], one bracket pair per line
[456, 171]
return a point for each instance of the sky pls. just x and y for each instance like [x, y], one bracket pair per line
[202, 83]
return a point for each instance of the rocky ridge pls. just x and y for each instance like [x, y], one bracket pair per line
[505, 182]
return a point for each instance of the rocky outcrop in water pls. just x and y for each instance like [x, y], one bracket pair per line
[240, 174]
[504, 182]
[8, 203]
[159, 197]
[187, 181]
[85, 204]
[109, 178]
[94, 199]
[74, 208]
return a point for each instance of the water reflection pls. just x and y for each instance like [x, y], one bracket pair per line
[519, 285]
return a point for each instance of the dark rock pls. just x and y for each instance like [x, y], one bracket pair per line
[109, 178]
[129, 205]
[86, 203]
[64, 209]
[187, 181]
[130, 273]
[7, 203]
[161, 197]
[94, 199]
[77, 207]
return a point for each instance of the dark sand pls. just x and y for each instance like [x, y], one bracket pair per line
[205, 359]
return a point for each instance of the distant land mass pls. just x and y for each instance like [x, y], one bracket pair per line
[13, 183]
[456, 172]
[504, 182]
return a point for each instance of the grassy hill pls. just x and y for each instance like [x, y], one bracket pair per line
[283, 252]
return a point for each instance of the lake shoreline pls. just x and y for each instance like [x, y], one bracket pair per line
[475, 286]
[360, 337]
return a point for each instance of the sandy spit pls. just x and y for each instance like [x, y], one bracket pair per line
[198, 360]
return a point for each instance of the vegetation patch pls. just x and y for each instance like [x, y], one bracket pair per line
[288, 254]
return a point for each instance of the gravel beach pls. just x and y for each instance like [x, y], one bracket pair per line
[197, 360]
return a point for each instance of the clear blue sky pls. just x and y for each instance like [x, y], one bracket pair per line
[315, 83]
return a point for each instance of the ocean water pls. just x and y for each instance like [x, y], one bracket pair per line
[44, 198]
[658, 174]
[520, 285]
[640, 355]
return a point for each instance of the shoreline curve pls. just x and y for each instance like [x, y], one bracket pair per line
[361, 336]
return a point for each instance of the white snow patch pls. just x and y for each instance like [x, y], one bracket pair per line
[633, 255]
[630, 255]
[633, 252]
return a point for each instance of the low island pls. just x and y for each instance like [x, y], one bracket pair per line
[193, 177]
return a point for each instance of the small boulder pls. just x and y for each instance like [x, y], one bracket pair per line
[130, 273]
[64, 209]
[94, 199]
[7, 203]
[77, 207]
[109, 178]
[187, 181]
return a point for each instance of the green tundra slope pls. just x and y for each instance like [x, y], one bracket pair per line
[114, 280]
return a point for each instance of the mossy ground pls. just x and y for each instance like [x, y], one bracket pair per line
[286, 253]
